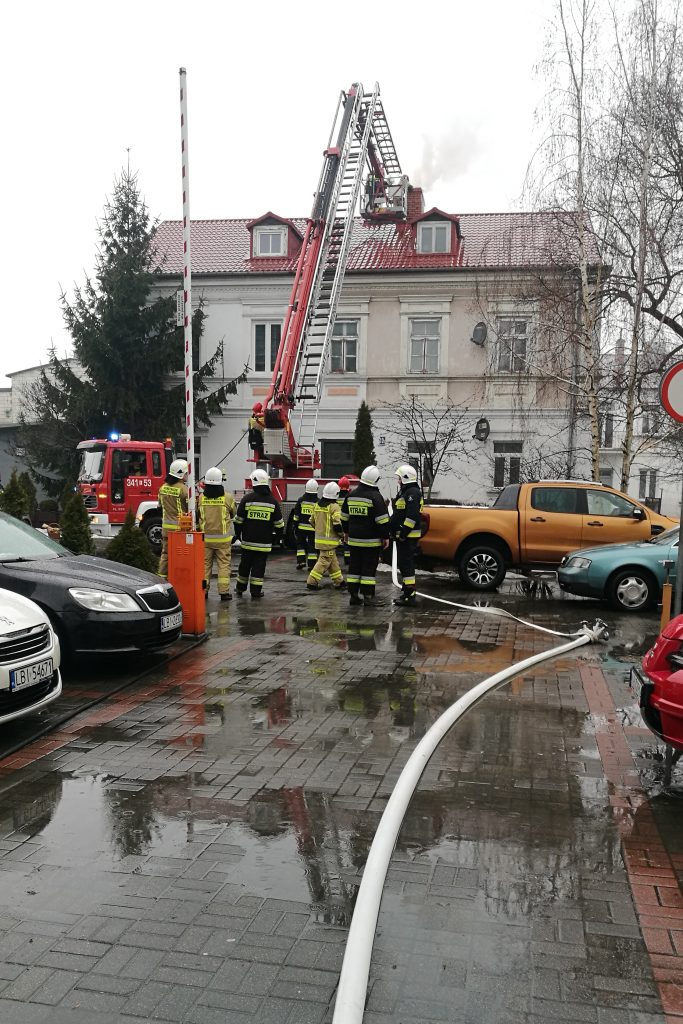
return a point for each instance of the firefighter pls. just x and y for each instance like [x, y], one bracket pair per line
[258, 521]
[173, 496]
[329, 532]
[405, 529]
[305, 530]
[366, 524]
[217, 510]
[256, 427]
[344, 487]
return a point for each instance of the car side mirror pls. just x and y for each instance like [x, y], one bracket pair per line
[638, 513]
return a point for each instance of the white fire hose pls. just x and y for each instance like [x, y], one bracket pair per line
[353, 981]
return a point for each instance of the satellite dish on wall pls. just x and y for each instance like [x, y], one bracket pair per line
[479, 333]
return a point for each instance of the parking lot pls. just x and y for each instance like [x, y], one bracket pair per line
[189, 848]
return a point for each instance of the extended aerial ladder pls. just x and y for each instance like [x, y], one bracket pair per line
[360, 170]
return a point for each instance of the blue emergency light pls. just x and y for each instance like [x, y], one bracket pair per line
[113, 436]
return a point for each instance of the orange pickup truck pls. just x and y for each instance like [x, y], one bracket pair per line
[532, 526]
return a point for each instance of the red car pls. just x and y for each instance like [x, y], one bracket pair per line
[661, 692]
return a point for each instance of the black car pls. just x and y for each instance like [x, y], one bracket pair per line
[95, 605]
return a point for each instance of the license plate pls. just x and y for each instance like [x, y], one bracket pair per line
[171, 621]
[30, 675]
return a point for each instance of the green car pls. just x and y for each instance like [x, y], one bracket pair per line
[630, 576]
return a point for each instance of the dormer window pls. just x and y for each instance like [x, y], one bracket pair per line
[434, 236]
[270, 241]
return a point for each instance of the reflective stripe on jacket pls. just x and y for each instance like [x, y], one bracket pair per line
[173, 501]
[405, 521]
[327, 522]
[365, 517]
[258, 517]
[215, 517]
[303, 511]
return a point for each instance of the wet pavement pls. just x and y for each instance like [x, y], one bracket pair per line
[190, 850]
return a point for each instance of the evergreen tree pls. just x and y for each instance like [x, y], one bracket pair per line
[75, 526]
[363, 452]
[131, 547]
[14, 499]
[128, 347]
[29, 489]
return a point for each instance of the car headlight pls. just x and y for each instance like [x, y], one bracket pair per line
[103, 600]
[578, 562]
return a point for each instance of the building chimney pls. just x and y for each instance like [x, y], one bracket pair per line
[416, 202]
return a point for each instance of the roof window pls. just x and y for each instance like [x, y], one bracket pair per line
[270, 240]
[434, 236]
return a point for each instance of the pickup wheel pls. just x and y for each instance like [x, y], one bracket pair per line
[632, 590]
[482, 567]
[151, 527]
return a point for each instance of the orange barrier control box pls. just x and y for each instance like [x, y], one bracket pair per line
[186, 573]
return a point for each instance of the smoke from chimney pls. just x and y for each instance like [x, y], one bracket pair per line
[446, 156]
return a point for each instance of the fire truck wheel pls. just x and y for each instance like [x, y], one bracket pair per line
[151, 527]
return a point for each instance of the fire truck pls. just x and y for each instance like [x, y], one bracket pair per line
[118, 475]
[360, 172]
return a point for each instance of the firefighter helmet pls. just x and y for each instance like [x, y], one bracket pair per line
[344, 483]
[311, 486]
[213, 476]
[406, 474]
[370, 476]
[331, 490]
[178, 468]
[259, 478]
[257, 407]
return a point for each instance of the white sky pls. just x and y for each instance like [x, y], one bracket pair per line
[85, 80]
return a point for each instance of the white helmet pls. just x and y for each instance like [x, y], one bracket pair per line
[406, 474]
[370, 476]
[331, 490]
[213, 476]
[178, 468]
[259, 478]
[311, 486]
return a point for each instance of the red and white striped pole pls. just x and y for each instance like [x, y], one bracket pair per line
[187, 298]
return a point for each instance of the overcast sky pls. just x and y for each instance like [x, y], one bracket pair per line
[85, 80]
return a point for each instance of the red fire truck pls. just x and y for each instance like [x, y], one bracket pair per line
[117, 475]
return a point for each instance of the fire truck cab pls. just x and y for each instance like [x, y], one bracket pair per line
[118, 475]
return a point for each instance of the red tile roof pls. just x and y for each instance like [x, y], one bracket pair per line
[489, 241]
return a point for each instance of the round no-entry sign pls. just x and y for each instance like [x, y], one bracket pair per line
[671, 391]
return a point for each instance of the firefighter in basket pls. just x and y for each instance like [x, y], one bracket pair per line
[327, 521]
[257, 523]
[216, 509]
[173, 495]
[304, 528]
[257, 424]
[366, 524]
[405, 529]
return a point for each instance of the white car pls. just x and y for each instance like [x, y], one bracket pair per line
[29, 658]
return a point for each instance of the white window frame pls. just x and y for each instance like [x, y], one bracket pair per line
[508, 358]
[429, 227]
[424, 372]
[344, 338]
[271, 229]
[268, 354]
[507, 462]
[647, 484]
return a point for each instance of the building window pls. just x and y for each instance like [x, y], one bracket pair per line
[647, 487]
[344, 348]
[607, 439]
[266, 343]
[337, 457]
[421, 458]
[606, 475]
[507, 458]
[424, 346]
[650, 421]
[270, 241]
[434, 236]
[513, 336]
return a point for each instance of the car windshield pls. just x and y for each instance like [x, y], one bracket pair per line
[92, 464]
[19, 542]
[668, 537]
